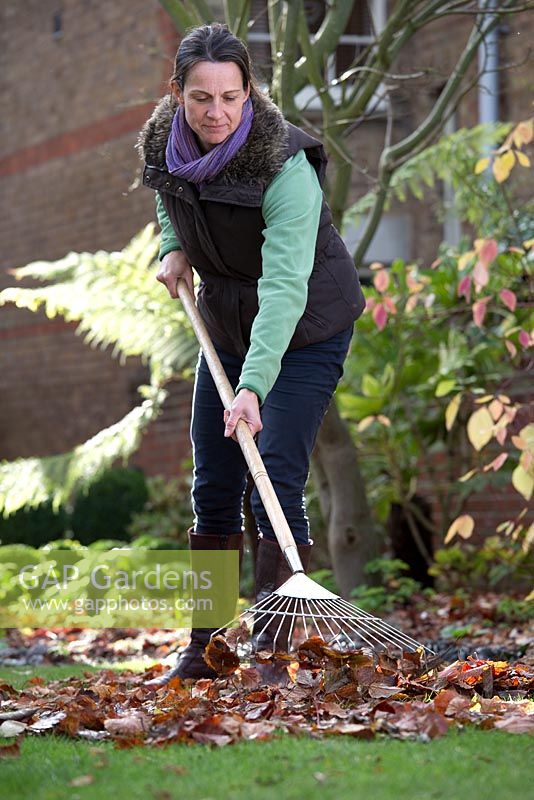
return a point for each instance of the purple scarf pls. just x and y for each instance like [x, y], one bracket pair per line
[184, 157]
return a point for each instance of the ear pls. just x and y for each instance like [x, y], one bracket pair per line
[247, 94]
[177, 92]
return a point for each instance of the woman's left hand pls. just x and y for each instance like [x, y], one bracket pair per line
[245, 406]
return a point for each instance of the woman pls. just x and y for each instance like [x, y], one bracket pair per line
[239, 199]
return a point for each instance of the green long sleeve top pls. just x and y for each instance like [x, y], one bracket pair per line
[291, 209]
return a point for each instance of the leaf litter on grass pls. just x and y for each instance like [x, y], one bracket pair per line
[328, 692]
[454, 625]
[87, 645]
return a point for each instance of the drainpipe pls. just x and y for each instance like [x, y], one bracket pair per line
[488, 63]
[488, 111]
[452, 226]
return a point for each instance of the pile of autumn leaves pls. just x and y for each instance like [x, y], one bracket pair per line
[326, 693]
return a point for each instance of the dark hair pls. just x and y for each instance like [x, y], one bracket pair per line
[213, 43]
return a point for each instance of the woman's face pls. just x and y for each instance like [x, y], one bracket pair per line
[213, 99]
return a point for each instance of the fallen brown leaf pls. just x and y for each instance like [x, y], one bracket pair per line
[220, 658]
[516, 724]
[131, 725]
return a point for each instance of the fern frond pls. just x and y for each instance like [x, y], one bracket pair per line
[49, 270]
[28, 482]
[116, 300]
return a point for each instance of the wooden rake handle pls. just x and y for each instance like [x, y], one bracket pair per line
[244, 436]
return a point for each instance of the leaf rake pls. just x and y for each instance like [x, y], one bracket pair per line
[300, 608]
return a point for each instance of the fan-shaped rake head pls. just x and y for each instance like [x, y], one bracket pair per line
[302, 608]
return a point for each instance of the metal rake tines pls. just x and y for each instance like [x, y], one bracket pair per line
[302, 608]
[336, 621]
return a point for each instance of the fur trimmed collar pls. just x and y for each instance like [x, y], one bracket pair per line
[258, 161]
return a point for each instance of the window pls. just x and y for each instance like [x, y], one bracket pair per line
[367, 17]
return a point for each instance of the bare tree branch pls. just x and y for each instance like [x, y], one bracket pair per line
[484, 11]
[274, 11]
[286, 57]
[200, 10]
[237, 14]
[242, 19]
[182, 18]
[313, 65]
[392, 156]
[327, 37]
[381, 58]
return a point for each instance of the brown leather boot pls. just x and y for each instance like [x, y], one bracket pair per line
[191, 662]
[272, 570]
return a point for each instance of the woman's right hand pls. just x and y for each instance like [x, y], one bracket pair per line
[173, 266]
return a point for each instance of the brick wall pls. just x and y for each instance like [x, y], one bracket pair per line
[68, 170]
[91, 70]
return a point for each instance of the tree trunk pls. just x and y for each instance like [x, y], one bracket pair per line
[352, 537]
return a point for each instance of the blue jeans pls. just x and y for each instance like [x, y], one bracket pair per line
[291, 415]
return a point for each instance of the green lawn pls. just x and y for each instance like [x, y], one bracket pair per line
[464, 764]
